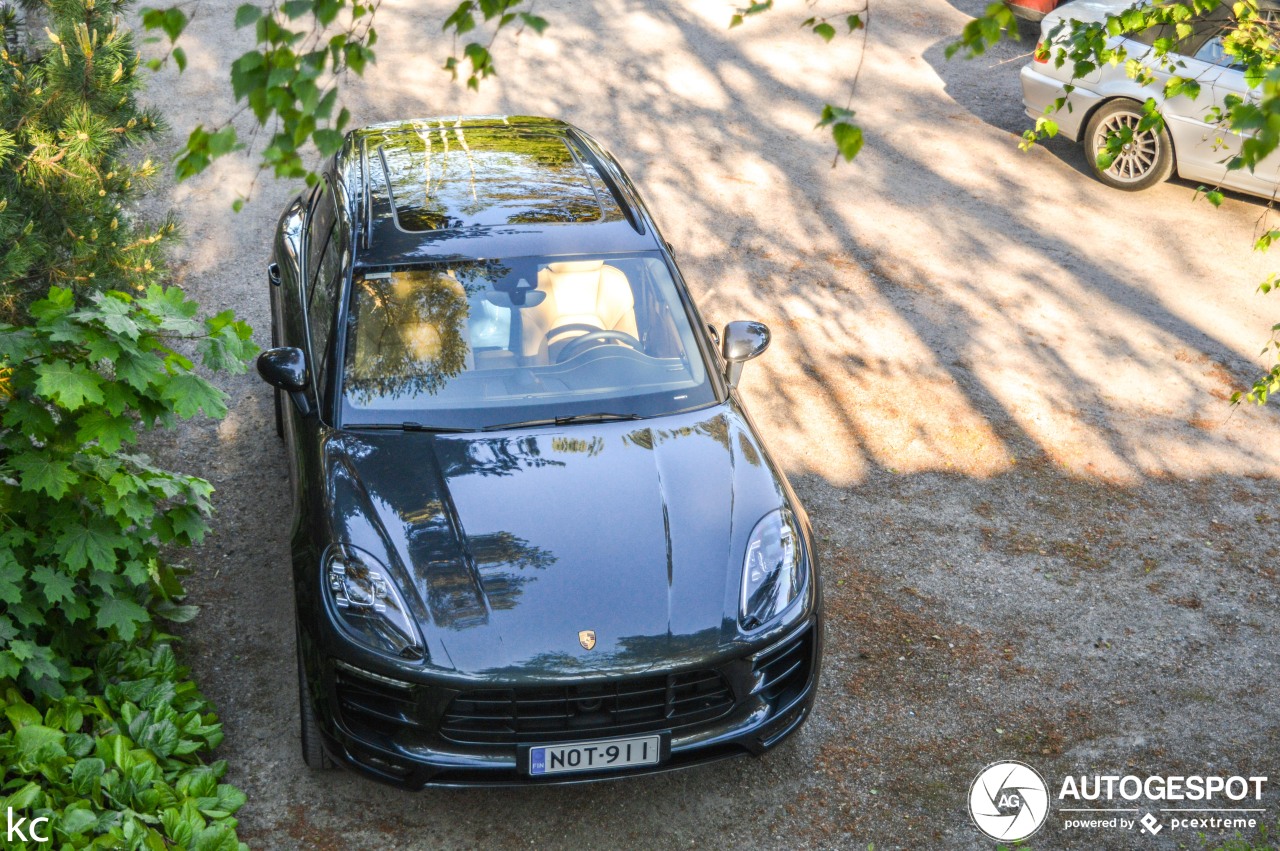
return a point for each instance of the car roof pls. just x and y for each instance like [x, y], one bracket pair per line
[486, 186]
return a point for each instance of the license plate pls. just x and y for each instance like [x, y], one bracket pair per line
[601, 755]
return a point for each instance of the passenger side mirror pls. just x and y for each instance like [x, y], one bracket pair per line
[743, 340]
[285, 369]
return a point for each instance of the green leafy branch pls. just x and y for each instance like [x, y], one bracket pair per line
[303, 50]
[847, 135]
[171, 21]
[499, 14]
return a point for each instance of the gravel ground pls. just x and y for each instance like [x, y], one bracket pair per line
[999, 387]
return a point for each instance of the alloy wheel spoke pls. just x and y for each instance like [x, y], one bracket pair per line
[1138, 156]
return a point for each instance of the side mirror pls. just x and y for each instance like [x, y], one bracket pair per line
[285, 369]
[742, 341]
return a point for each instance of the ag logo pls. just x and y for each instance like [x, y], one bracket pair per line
[1008, 801]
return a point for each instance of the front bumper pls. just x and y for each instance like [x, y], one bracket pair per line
[397, 731]
[1039, 90]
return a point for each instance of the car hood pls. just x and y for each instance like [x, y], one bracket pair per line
[517, 543]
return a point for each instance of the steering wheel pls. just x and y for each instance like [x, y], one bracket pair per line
[579, 344]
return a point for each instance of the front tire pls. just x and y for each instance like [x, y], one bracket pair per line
[312, 750]
[1143, 161]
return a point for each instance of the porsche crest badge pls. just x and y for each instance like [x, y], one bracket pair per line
[587, 638]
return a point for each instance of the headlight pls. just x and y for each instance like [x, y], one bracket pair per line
[773, 572]
[368, 604]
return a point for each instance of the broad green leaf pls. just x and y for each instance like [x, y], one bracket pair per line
[832, 114]
[109, 430]
[11, 576]
[54, 584]
[38, 471]
[139, 371]
[21, 714]
[173, 310]
[848, 139]
[176, 613]
[29, 416]
[112, 312]
[74, 822]
[122, 615]
[85, 773]
[38, 741]
[191, 394]
[91, 543]
[9, 665]
[27, 795]
[69, 385]
[59, 302]
[327, 141]
[246, 14]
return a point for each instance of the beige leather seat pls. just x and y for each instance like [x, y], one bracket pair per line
[583, 294]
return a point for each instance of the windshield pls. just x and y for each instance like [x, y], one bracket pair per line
[471, 344]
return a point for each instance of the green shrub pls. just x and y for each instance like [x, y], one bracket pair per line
[84, 519]
[119, 766]
[101, 733]
[68, 119]
[104, 733]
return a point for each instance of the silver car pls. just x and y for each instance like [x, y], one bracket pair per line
[1107, 101]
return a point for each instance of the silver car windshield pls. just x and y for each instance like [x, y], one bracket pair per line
[480, 343]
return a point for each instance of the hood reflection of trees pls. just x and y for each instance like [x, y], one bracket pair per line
[716, 428]
[490, 456]
[455, 592]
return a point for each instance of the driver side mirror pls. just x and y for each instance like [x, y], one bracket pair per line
[743, 340]
[285, 369]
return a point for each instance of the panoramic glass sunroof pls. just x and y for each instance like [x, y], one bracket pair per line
[453, 176]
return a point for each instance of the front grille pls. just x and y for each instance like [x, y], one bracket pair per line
[546, 713]
[784, 671]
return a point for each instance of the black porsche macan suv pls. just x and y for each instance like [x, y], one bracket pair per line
[536, 537]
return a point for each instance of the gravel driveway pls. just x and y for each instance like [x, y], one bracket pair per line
[999, 387]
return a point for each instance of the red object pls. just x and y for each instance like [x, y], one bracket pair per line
[1041, 6]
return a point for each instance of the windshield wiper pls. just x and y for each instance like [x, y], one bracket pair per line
[412, 426]
[602, 417]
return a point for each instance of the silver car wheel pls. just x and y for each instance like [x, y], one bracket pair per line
[1136, 159]
[1144, 160]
